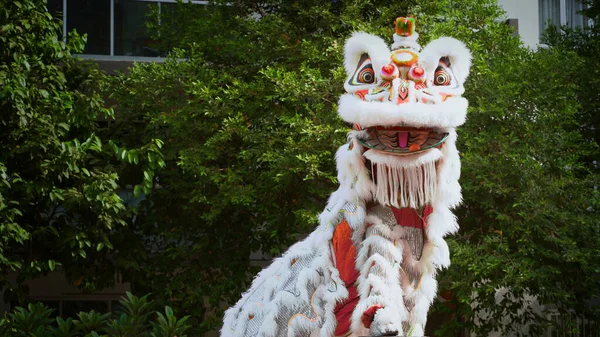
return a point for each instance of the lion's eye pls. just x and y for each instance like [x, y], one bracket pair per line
[441, 77]
[364, 73]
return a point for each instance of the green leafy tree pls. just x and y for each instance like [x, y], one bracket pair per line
[247, 109]
[529, 218]
[586, 43]
[30, 321]
[59, 181]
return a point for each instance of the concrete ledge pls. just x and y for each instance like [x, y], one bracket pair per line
[113, 64]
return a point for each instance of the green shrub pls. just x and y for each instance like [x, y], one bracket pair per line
[135, 317]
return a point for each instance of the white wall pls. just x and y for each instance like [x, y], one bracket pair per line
[526, 11]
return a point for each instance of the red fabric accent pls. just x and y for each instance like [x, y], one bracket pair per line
[408, 217]
[369, 315]
[345, 253]
[426, 212]
[343, 311]
[345, 261]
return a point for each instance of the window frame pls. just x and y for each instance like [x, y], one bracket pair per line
[563, 13]
[65, 17]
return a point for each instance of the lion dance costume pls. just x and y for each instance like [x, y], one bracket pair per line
[370, 266]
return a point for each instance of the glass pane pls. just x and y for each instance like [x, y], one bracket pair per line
[574, 19]
[131, 35]
[93, 18]
[55, 7]
[72, 308]
[549, 11]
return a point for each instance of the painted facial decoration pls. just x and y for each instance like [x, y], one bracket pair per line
[364, 74]
[443, 74]
[405, 100]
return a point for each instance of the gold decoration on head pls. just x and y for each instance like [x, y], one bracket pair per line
[404, 57]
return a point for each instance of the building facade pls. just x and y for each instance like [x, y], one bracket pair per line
[531, 17]
[116, 30]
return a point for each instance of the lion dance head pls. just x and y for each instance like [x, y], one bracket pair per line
[404, 104]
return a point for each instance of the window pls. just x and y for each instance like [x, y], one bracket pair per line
[573, 18]
[572, 326]
[561, 13]
[113, 27]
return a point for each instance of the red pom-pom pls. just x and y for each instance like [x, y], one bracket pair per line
[388, 69]
[369, 315]
[418, 71]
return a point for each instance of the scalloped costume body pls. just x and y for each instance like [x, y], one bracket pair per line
[369, 268]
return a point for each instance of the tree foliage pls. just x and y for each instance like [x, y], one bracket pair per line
[529, 216]
[249, 120]
[528, 243]
[246, 106]
[585, 42]
[59, 181]
[134, 317]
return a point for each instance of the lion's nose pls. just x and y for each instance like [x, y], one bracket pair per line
[417, 74]
[402, 91]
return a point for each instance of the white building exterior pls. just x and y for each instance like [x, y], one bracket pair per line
[530, 17]
[528, 22]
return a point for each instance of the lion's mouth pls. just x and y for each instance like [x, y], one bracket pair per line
[402, 140]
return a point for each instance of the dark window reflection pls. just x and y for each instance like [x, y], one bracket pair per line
[91, 17]
[56, 8]
[131, 35]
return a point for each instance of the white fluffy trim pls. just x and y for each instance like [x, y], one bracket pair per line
[456, 51]
[448, 114]
[361, 43]
[449, 173]
[353, 174]
[385, 322]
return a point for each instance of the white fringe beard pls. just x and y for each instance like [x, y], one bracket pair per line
[400, 186]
